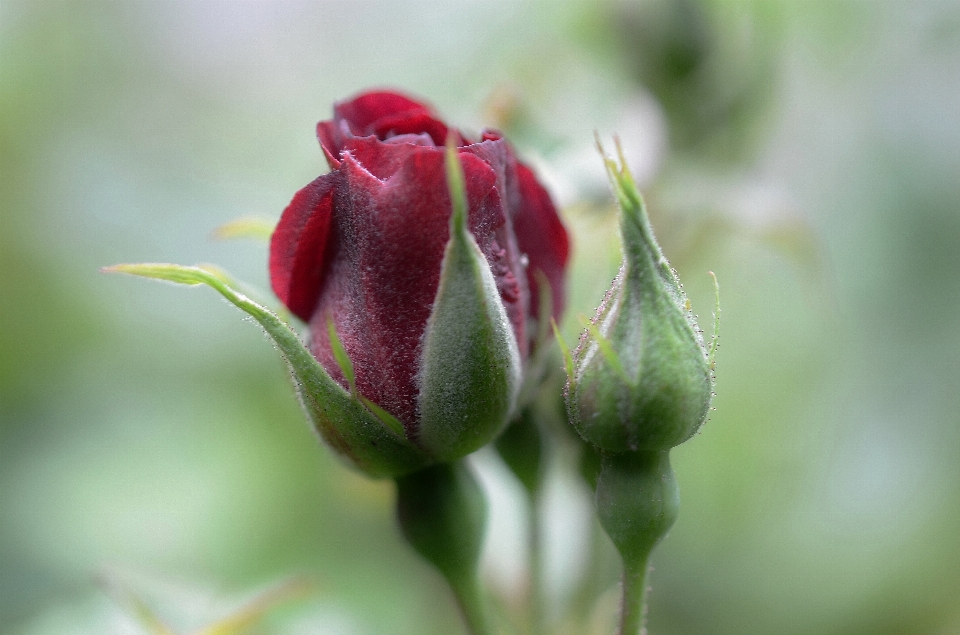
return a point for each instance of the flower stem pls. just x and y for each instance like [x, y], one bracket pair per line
[637, 502]
[537, 608]
[470, 601]
[442, 513]
[633, 607]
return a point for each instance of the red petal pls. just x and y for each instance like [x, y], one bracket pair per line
[542, 237]
[415, 123]
[298, 246]
[383, 160]
[364, 110]
[503, 252]
[330, 142]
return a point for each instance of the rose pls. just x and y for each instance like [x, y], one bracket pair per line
[361, 248]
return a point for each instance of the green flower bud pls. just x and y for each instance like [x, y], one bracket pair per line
[641, 378]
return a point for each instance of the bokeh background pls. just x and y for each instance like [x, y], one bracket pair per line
[807, 152]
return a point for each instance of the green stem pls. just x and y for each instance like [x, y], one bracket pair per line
[633, 609]
[470, 601]
[522, 448]
[442, 513]
[637, 502]
[537, 608]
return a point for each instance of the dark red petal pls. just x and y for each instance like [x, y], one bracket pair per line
[383, 160]
[503, 252]
[331, 143]
[364, 110]
[388, 240]
[542, 237]
[411, 123]
[299, 244]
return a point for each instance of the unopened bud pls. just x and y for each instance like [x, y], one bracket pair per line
[641, 377]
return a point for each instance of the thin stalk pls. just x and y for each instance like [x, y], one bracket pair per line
[637, 502]
[633, 605]
[537, 608]
[470, 602]
[442, 512]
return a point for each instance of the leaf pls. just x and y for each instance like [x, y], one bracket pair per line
[137, 607]
[258, 229]
[251, 613]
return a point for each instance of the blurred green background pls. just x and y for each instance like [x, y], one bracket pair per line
[807, 152]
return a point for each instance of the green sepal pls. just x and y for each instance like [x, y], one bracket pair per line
[565, 351]
[642, 376]
[715, 339]
[341, 418]
[340, 356]
[346, 367]
[606, 349]
[470, 363]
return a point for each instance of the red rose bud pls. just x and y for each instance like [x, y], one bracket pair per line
[433, 314]
[641, 377]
